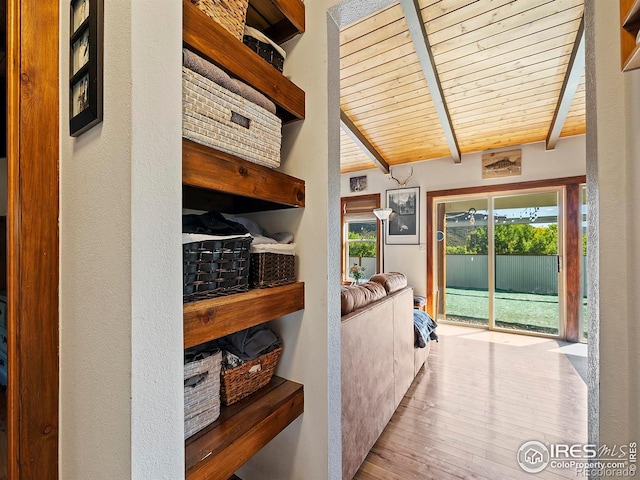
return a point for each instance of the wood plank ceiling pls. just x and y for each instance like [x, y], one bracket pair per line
[500, 64]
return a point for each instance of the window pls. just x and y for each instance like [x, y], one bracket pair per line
[360, 237]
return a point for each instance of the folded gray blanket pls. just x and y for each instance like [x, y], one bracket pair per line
[220, 77]
[249, 344]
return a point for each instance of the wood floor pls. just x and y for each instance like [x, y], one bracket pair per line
[481, 396]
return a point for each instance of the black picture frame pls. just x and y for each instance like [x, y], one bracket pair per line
[85, 65]
[403, 226]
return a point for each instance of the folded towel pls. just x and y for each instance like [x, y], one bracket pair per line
[279, 248]
[199, 237]
[207, 69]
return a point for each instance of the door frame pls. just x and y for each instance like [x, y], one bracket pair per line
[572, 241]
[33, 136]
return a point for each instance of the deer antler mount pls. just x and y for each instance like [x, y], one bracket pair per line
[403, 183]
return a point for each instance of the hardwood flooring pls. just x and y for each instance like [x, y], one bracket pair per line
[480, 397]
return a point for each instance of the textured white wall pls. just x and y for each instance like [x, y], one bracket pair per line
[613, 152]
[310, 448]
[568, 159]
[120, 290]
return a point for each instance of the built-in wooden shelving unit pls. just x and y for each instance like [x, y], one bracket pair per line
[210, 319]
[219, 450]
[234, 185]
[280, 20]
[629, 28]
[205, 37]
[214, 180]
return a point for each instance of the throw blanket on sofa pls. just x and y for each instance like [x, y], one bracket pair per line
[424, 328]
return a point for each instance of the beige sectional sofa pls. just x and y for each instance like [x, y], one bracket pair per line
[379, 362]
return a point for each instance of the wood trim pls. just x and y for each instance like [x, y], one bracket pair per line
[572, 255]
[32, 234]
[505, 187]
[374, 196]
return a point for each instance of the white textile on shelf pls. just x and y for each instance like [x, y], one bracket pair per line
[200, 237]
[279, 248]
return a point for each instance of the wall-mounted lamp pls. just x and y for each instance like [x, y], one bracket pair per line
[382, 214]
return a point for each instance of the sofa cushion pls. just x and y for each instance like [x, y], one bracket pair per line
[392, 281]
[354, 297]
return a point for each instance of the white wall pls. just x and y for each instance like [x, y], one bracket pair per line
[568, 159]
[120, 272]
[613, 174]
[310, 448]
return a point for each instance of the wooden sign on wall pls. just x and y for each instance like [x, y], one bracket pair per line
[502, 164]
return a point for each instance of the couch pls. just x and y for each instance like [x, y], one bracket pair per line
[379, 361]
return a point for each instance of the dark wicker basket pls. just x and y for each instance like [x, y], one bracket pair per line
[241, 381]
[265, 51]
[272, 269]
[215, 267]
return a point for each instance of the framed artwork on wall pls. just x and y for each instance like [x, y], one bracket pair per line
[403, 226]
[358, 184]
[85, 65]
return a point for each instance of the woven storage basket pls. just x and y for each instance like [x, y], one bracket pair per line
[202, 401]
[241, 381]
[231, 14]
[266, 52]
[213, 268]
[216, 117]
[272, 269]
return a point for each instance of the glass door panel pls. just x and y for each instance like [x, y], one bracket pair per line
[462, 278]
[528, 259]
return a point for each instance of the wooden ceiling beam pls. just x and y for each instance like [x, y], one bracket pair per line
[575, 70]
[361, 141]
[412, 14]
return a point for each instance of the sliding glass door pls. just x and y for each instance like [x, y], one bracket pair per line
[499, 261]
[463, 261]
[527, 262]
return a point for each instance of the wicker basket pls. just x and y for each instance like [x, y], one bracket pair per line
[231, 14]
[272, 269]
[265, 51]
[218, 118]
[213, 268]
[243, 380]
[202, 400]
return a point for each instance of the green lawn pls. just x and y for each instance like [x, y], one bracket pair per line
[524, 311]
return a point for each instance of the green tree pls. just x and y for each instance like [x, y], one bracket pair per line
[362, 249]
[511, 239]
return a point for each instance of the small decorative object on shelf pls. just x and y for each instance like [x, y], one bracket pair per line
[357, 272]
[85, 65]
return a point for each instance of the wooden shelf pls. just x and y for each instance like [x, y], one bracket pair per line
[210, 319]
[218, 451]
[230, 184]
[280, 20]
[629, 27]
[207, 38]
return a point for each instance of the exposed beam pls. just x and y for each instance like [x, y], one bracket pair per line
[411, 10]
[570, 84]
[362, 142]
